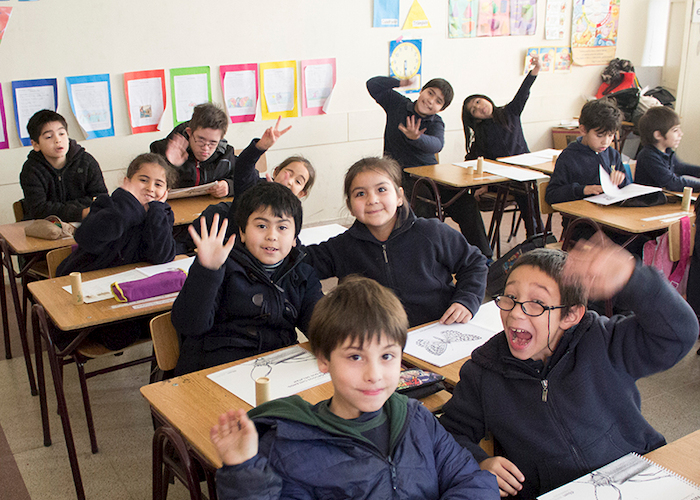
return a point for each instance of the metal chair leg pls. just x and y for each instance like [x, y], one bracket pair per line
[186, 473]
[80, 363]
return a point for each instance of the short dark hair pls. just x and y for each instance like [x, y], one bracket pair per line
[136, 163]
[39, 119]
[444, 86]
[209, 115]
[602, 115]
[359, 309]
[551, 262]
[307, 164]
[658, 118]
[278, 198]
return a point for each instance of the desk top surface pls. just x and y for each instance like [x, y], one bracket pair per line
[628, 219]
[682, 456]
[22, 244]
[67, 315]
[452, 175]
[186, 210]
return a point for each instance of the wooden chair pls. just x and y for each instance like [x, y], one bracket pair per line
[55, 257]
[674, 239]
[165, 342]
[546, 209]
[18, 209]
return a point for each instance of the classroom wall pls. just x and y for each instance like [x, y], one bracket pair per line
[47, 39]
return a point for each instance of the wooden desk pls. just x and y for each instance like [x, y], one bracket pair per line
[186, 210]
[454, 176]
[13, 241]
[681, 456]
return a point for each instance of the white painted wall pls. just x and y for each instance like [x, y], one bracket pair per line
[47, 39]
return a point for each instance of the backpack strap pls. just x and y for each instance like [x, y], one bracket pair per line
[677, 275]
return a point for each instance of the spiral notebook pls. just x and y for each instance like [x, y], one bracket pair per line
[631, 477]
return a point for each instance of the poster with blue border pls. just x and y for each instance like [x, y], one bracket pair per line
[90, 99]
[31, 96]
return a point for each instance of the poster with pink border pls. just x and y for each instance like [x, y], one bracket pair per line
[239, 85]
[4, 141]
[317, 83]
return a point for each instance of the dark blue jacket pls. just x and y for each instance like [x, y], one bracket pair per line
[119, 231]
[589, 414]
[65, 192]
[408, 152]
[664, 169]
[238, 311]
[417, 262]
[219, 166]
[493, 140]
[578, 167]
[304, 456]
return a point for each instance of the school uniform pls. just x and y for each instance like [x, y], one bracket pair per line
[664, 169]
[241, 309]
[580, 409]
[306, 451]
[64, 192]
[417, 262]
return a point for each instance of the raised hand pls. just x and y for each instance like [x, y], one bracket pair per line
[211, 251]
[536, 64]
[269, 138]
[235, 438]
[412, 128]
[176, 152]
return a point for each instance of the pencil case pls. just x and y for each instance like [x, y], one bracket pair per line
[153, 286]
[51, 228]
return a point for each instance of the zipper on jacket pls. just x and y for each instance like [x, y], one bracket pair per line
[392, 467]
[386, 258]
[545, 389]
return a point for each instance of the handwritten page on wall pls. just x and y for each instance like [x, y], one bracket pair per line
[239, 83]
[145, 99]
[278, 82]
[91, 101]
[31, 96]
[317, 83]
[189, 87]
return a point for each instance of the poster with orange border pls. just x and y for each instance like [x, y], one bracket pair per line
[278, 86]
[145, 99]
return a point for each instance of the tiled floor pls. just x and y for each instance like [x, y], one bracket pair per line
[122, 468]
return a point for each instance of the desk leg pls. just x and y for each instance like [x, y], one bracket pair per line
[41, 381]
[534, 206]
[495, 226]
[3, 304]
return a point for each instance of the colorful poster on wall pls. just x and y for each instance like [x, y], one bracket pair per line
[562, 60]
[554, 20]
[416, 18]
[145, 99]
[386, 14]
[554, 59]
[4, 141]
[90, 99]
[239, 84]
[406, 63]
[523, 17]
[494, 18]
[594, 31]
[189, 87]
[317, 83]
[462, 16]
[31, 96]
[278, 84]
[5, 13]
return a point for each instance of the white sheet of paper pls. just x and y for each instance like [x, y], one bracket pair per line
[91, 101]
[188, 192]
[239, 92]
[318, 79]
[514, 173]
[530, 159]
[29, 101]
[444, 344]
[146, 101]
[190, 90]
[100, 289]
[279, 89]
[319, 234]
[290, 371]
[183, 264]
[613, 194]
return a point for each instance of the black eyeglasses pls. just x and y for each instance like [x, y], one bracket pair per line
[529, 307]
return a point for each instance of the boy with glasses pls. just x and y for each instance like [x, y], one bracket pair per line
[557, 387]
[200, 154]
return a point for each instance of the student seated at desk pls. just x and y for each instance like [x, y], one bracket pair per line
[557, 387]
[59, 177]
[367, 441]
[657, 163]
[415, 257]
[133, 225]
[249, 302]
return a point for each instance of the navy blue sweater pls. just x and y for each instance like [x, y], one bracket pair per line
[578, 167]
[664, 169]
[590, 414]
[307, 452]
[63, 192]
[408, 152]
[239, 310]
[493, 140]
[118, 231]
[417, 262]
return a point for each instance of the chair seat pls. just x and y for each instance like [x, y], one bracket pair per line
[92, 349]
[40, 269]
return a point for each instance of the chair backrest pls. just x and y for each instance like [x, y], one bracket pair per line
[165, 342]
[545, 208]
[18, 209]
[633, 167]
[674, 239]
[55, 257]
[260, 165]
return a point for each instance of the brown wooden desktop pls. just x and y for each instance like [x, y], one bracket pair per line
[186, 210]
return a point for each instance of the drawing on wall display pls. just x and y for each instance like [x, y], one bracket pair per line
[594, 31]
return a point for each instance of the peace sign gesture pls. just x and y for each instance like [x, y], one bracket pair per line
[271, 135]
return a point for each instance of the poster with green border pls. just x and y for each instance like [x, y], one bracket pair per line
[189, 87]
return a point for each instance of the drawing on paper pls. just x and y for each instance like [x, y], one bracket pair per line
[439, 346]
[262, 367]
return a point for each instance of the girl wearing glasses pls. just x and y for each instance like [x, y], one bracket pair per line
[557, 387]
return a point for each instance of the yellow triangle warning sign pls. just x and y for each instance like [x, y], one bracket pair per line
[416, 18]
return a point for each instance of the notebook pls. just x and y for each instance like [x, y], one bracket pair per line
[631, 477]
